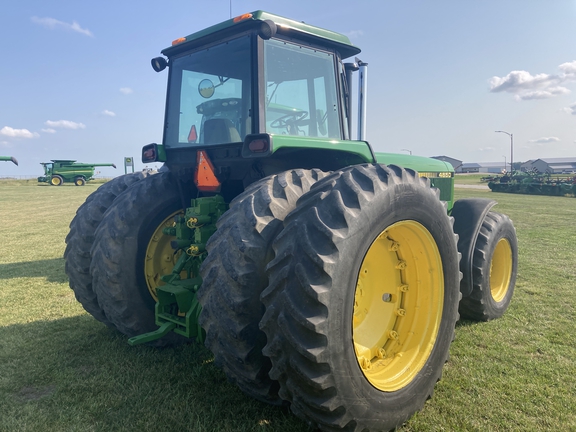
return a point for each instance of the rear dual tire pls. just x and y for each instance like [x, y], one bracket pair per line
[234, 275]
[80, 239]
[125, 287]
[344, 361]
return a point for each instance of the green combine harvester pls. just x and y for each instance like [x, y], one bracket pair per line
[320, 273]
[60, 171]
[9, 158]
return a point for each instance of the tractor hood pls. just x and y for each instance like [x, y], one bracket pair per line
[418, 163]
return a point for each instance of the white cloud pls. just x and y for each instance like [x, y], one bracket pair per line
[570, 109]
[542, 94]
[52, 23]
[482, 149]
[569, 68]
[49, 130]
[18, 133]
[109, 113]
[64, 124]
[5, 144]
[525, 86]
[126, 90]
[544, 140]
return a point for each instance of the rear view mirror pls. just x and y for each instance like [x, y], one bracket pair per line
[206, 88]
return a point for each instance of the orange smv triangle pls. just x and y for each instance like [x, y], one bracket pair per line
[204, 177]
[192, 136]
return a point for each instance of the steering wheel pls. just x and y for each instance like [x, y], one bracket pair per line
[288, 119]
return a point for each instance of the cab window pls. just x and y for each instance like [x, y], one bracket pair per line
[209, 99]
[301, 92]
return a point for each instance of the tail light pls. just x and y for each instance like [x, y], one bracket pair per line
[257, 145]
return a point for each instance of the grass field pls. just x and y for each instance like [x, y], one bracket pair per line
[61, 370]
[470, 179]
[475, 179]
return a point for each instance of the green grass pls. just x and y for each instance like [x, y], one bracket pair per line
[476, 179]
[470, 179]
[61, 370]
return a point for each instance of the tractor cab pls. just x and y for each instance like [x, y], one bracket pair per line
[258, 86]
[48, 167]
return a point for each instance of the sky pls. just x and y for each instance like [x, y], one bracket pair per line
[443, 75]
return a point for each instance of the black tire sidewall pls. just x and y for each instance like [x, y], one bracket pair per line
[504, 229]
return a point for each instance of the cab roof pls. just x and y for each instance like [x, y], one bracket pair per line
[285, 26]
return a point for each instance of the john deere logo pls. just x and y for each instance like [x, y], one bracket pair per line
[128, 160]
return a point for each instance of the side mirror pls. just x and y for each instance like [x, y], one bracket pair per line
[153, 153]
[159, 64]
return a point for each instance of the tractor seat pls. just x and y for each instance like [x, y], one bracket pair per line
[219, 131]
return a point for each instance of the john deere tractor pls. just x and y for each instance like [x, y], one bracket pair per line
[60, 171]
[320, 273]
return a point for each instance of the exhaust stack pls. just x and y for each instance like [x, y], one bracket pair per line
[362, 93]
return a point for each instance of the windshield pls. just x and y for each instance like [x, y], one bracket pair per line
[301, 91]
[209, 99]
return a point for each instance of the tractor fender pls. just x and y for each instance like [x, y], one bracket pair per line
[469, 214]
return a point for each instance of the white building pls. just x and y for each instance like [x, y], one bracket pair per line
[482, 167]
[555, 165]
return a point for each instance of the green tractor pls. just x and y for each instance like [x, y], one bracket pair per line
[319, 273]
[60, 171]
[9, 158]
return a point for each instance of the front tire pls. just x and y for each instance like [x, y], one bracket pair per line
[495, 266]
[363, 299]
[125, 291]
[81, 237]
[56, 180]
[234, 275]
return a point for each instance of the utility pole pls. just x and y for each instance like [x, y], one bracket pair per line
[511, 149]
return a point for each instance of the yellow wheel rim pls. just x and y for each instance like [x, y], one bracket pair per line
[398, 305]
[160, 257]
[501, 270]
[55, 181]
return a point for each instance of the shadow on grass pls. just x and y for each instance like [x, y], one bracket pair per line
[74, 372]
[51, 269]
[466, 323]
